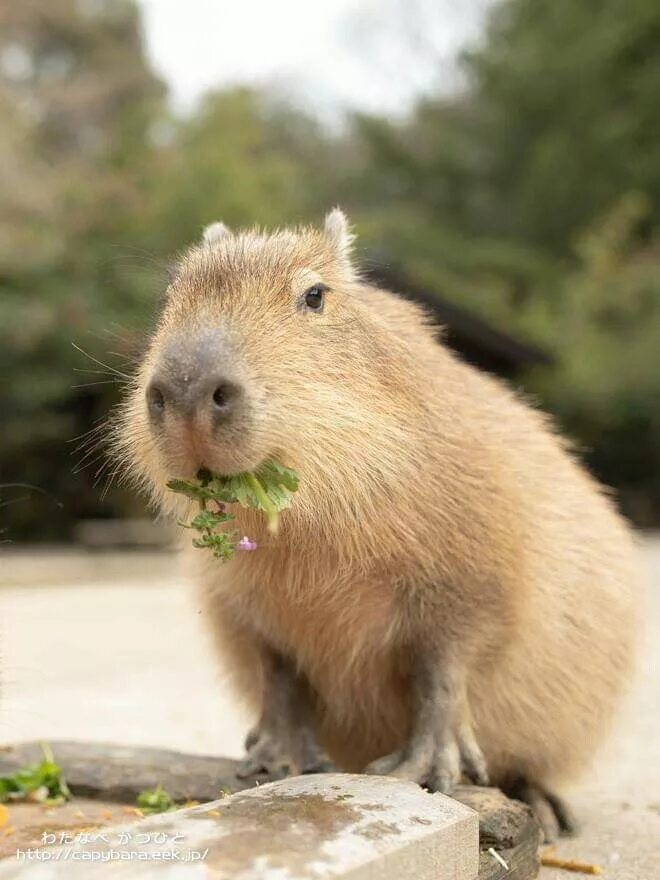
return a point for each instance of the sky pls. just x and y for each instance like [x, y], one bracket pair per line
[374, 55]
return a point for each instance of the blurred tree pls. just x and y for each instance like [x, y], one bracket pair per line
[557, 118]
[76, 104]
[243, 158]
[607, 386]
[76, 70]
[498, 196]
[569, 94]
[102, 186]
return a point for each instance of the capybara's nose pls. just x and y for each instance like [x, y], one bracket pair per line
[196, 377]
[188, 394]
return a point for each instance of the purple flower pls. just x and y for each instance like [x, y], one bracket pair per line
[246, 544]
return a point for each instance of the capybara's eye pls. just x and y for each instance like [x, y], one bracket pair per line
[314, 298]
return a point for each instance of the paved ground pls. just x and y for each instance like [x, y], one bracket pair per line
[112, 649]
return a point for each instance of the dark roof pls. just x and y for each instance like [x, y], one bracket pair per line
[474, 339]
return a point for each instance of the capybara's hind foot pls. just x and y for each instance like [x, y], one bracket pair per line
[554, 815]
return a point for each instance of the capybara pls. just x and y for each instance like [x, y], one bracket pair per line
[450, 593]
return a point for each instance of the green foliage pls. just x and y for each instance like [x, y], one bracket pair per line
[155, 800]
[533, 197]
[207, 520]
[570, 90]
[606, 387]
[71, 179]
[41, 782]
[87, 227]
[269, 489]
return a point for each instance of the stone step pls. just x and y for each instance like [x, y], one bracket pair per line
[508, 833]
[301, 828]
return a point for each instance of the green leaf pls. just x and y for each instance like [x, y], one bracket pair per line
[272, 473]
[155, 800]
[269, 489]
[207, 519]
[237, 488]
[263, 501]
[8, 787]
[191, 490]
[46, 775]
[221, 543]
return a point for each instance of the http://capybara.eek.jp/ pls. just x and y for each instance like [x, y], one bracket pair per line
[450, 592]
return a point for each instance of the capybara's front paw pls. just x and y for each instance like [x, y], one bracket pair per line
[283, 754]
[314, 758]
[436, 768]
[436, 765]
[269, 753]
[473, 763]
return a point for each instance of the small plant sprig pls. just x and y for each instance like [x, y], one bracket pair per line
[270, 488]
[43, 782]
[155, 800]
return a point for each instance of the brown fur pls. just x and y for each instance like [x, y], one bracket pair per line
[434, 504]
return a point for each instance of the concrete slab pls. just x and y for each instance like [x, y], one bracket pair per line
[303, 828]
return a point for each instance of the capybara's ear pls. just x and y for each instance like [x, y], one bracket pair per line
[214, 233]
[338, 232]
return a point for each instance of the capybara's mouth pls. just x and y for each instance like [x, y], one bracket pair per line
[187, 454]
[201, 467]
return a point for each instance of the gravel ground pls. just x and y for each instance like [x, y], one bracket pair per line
[110, 648]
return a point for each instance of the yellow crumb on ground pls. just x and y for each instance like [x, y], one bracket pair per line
[549, 860]
[4, 815]
[133, 811]
[213, 813]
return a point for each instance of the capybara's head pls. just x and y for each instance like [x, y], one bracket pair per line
[268, 346]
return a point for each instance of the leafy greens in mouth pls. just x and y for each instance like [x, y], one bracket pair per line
[270, 489]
